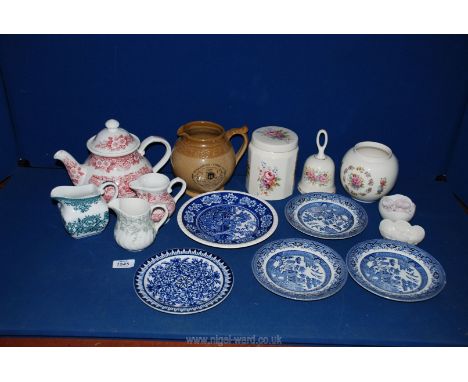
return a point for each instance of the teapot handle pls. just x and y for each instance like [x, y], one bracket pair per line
[103, 185]
[182, 189]
[157, 225]
[154, 139]
[239, 131]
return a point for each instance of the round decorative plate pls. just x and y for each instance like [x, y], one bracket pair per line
[227, 219]
[395, 270]
[183, 281]
[326, 216]
[299, 269]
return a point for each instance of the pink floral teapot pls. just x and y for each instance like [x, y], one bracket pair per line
[117, 156]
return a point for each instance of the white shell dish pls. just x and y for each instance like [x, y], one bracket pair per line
[397, 207]
[402, 231]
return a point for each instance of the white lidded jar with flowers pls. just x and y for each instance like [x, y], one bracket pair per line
[369, 171]
[271, 163]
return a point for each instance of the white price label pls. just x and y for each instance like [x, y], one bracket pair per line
[123, 263]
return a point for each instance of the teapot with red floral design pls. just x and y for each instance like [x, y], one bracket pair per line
[117, 156]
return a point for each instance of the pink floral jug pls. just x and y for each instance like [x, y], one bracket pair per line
[156, 189]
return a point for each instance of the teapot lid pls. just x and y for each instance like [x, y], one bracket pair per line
[113, 141]
[274, 139]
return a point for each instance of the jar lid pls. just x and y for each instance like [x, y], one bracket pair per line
[274, 139]
[113, 141]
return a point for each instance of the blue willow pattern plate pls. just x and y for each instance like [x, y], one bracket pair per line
[299, 269]
[395, 270]
[326, 216]
[183, 281]
[227, 219]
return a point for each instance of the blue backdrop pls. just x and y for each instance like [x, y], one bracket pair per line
[408, 92]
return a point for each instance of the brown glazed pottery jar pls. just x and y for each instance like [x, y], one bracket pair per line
[204, 157]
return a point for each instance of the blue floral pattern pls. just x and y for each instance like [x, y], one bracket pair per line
[82, 205]
[299, 269]
[88, 225]
[326, 216]
[183, 281]
[395, 270]
[227, 218]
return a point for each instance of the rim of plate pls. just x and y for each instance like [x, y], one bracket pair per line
[183, 251]
[217, 245]
[344, 235]
[376, 291]
[284, 294]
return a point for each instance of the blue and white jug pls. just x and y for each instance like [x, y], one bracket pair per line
[83, 209]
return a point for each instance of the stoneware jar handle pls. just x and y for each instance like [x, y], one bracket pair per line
[154, 139]
[157, 225]
[321, 148]
[239, 131]
[182, 189]
[103, 185]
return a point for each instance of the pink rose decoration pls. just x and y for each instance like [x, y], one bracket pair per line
[268, 175]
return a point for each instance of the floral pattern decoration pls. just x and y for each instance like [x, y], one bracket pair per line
[109, 164]
[82, 205]
[277, 134]
[121, 181]
[382, 184]
[268, 179]
[357, 180]
[119, 142]
[88, 225]
[316, 177]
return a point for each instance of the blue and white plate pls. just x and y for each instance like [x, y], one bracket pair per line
[326, 216]
[227, 219]
[395, 270]
[183, 281]
[299, 269]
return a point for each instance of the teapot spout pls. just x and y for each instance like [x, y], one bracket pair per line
[76, 171]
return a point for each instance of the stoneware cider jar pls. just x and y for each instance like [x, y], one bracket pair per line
[272, 162]
[369, 171]
[203, 155]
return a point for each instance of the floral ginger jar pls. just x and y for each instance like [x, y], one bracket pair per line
[271, 163]
[369, 171]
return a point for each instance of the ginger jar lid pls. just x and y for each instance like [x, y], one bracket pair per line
[275, 139]
[113, 141]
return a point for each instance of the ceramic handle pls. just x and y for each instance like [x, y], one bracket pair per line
[321, 148]
[103, 185]
[182, 189]
[239, 131]
[154, 139]
[158, 224]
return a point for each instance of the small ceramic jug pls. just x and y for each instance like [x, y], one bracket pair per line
[156, 189]
[84, 211]
[204, 157]
[135, 230]
[319, 170]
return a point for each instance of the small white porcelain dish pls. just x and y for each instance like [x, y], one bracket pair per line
[402, 231]
[397, 207]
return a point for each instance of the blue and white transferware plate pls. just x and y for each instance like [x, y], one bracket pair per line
[395, 270]
[299, 269]
[227, 219]
[326, 216]
[183, 281]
